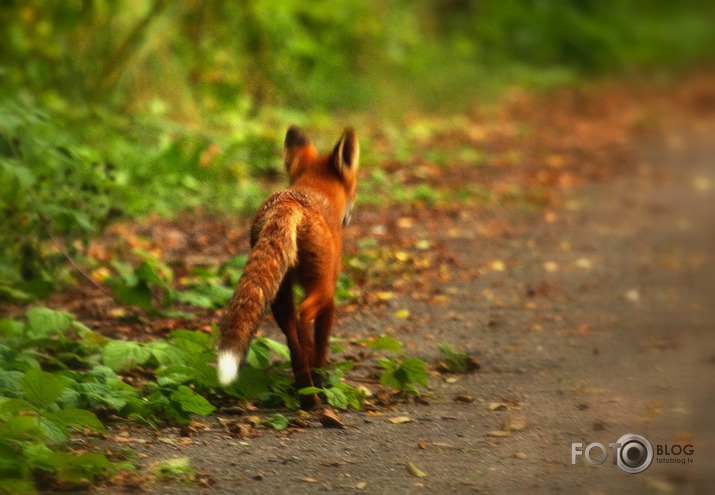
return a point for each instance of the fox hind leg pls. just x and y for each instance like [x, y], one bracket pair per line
[301, 353]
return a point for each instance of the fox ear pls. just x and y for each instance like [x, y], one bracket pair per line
[346, 154]
[295, 140]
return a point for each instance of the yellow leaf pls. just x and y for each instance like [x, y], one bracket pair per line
[384, 295]
[402, 314]
[415, 471]
[498, 433]
[400, 419]
[551, 266]
[498, 266]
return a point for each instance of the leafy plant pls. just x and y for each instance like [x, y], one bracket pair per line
[408, 375]
[334, 389]
[54, 194]
[457, 361]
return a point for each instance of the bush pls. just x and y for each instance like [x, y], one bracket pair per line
[54, 194]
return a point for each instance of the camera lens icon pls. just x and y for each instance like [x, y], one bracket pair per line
[635, 454]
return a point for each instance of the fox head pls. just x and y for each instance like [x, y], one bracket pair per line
[334, 173]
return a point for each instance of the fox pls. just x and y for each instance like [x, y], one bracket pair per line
[296, 238]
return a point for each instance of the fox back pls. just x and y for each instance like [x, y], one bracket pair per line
[296, 237]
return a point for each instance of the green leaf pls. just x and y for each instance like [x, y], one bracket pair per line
[41, 389]
[309, 390]
[279, 349]
[54, 432]
[10, 407]
[20, 427]
[121, 355]
[336, 397]
[18, 486]
[457, 361]
[10, 382]
[78, 418]
[415, 371]
[199, 341]
[149, 272]
[43, 322]
[385, 343]
[192, 402]
[134, 295]
[278, 422]
[165, 353]
[177, 466]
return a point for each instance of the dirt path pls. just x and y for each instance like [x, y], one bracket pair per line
[590, 322]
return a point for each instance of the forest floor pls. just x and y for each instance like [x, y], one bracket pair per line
[585, 292]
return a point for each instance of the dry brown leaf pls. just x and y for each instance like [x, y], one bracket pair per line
[514, 423]
[330, 419]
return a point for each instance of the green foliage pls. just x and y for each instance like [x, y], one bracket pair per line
[133, 107]
[176, 469]
[166, 59]
[406, 375]
[457, 361]
[51, 188]
[334, 389]
[278, 422]
[384, 343]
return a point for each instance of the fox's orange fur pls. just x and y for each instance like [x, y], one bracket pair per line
[296, 237]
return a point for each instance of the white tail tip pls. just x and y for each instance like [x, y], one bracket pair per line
[228, 364]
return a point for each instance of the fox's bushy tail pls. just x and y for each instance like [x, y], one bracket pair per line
[274, 253]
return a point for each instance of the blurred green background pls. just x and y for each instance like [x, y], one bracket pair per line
[116, 108]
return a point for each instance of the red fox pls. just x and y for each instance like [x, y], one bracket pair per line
[296, 237]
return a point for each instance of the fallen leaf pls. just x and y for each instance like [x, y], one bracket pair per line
[660, 485]
[701, 184]
[514, 423]
[364, 390]
[361, 485]
[520, 455]
[498, 433]
[400, 419]
[330, 419]
[415, 471]
[498, 266]
[309, 480]
[633, 295]
[422, 444]
[584, 263]
[252, 420]
[384, 295]
[497, 406]
[551, 266]
[466, 398]
[402, 314]
[402, 256]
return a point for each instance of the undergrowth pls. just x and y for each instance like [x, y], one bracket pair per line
[61, 382]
